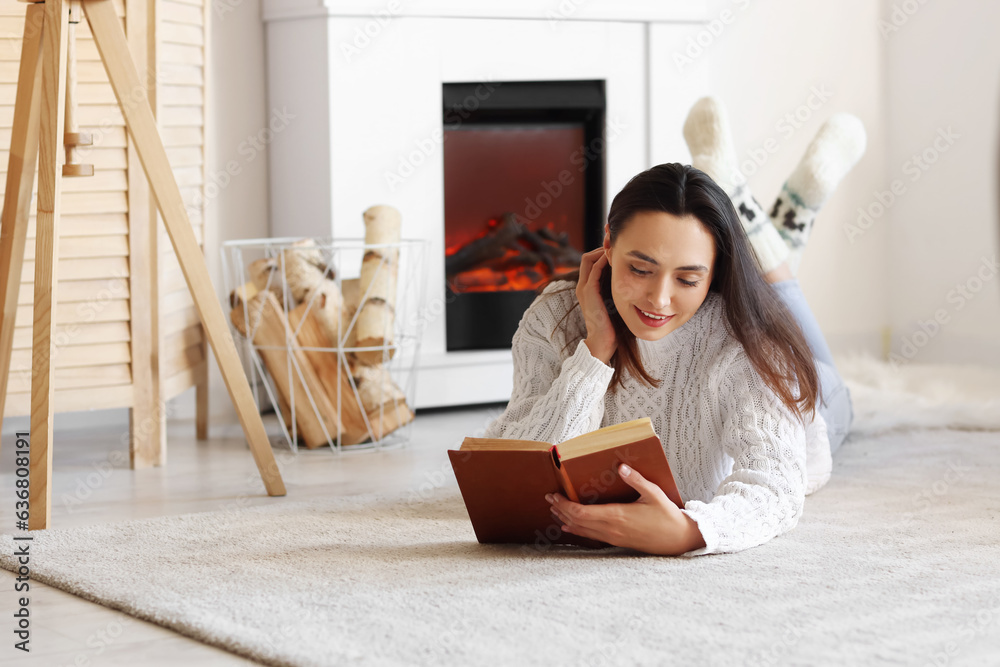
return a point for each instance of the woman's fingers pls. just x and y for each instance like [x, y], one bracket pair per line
[588, 290]
[600, 331]
[587, 263]
[595, 271]
[590, 265]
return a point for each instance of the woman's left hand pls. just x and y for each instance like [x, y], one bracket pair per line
[652, 523]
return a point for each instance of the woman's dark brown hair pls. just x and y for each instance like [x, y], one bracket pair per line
[757, 318]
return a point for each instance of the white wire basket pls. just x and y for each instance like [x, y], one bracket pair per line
[331, 329]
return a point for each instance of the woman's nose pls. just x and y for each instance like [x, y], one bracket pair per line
[659, 297]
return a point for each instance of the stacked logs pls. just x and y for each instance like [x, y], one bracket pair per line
[356, 401]
[509, 246]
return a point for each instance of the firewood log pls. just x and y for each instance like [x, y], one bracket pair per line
[383, 400]
[242, 294]
[286, 414]
[379, 270]
[325, 300]
[492, 246]
[265, 324]
[389, 418]
[375, 386]
[351, 292]
[304, 268]
[266, 275]
[350, 288]
[335, 377]
[377, 396]
[511, 244]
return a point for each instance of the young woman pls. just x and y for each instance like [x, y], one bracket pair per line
[674, 318]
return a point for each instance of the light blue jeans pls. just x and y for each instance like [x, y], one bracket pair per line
[835, 398]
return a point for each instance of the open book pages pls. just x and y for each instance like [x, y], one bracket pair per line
[581, 445]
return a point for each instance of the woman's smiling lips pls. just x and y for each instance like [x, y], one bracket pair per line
[652, 319]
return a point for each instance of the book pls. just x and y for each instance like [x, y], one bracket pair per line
[504, 482]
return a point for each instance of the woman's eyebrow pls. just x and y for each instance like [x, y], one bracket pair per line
[643, 257]
[646, 258]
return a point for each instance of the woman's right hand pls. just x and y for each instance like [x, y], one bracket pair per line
[600, 333]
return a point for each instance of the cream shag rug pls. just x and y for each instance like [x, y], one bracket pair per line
[906, 396]
[895, 561]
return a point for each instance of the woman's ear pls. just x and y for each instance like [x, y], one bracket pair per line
[607, 242]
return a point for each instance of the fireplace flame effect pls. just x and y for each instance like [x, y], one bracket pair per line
[508, 256]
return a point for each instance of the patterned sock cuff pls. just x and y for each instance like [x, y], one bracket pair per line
[767, 243]
[751, 214]
[792, 218]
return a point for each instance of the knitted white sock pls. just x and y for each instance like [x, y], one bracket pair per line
[709, 139]
[836, 148]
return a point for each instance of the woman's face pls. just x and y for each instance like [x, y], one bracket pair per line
[661, 268]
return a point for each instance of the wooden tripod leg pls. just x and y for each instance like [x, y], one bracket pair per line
[20, 182]
[131, 94]
[50, 143]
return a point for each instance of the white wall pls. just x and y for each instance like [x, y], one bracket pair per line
[299, 155]
[908, 69]
[766, 63]
[943, 71]
[237, 111]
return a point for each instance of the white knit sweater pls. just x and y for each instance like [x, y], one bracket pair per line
[742, 461]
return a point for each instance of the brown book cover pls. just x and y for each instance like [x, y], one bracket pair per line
[504, 482]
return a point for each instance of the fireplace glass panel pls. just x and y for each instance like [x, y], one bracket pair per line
[524, 171]
[524, 182]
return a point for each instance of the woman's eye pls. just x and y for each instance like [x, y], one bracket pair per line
[688, 283]
[638, 272]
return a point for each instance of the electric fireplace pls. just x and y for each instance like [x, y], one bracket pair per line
[523, 198]
[370, 128]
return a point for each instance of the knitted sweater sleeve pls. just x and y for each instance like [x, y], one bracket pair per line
[553, 398]
[765, 494]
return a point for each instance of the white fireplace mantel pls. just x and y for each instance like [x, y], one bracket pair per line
[360, 84]
[576, 10]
